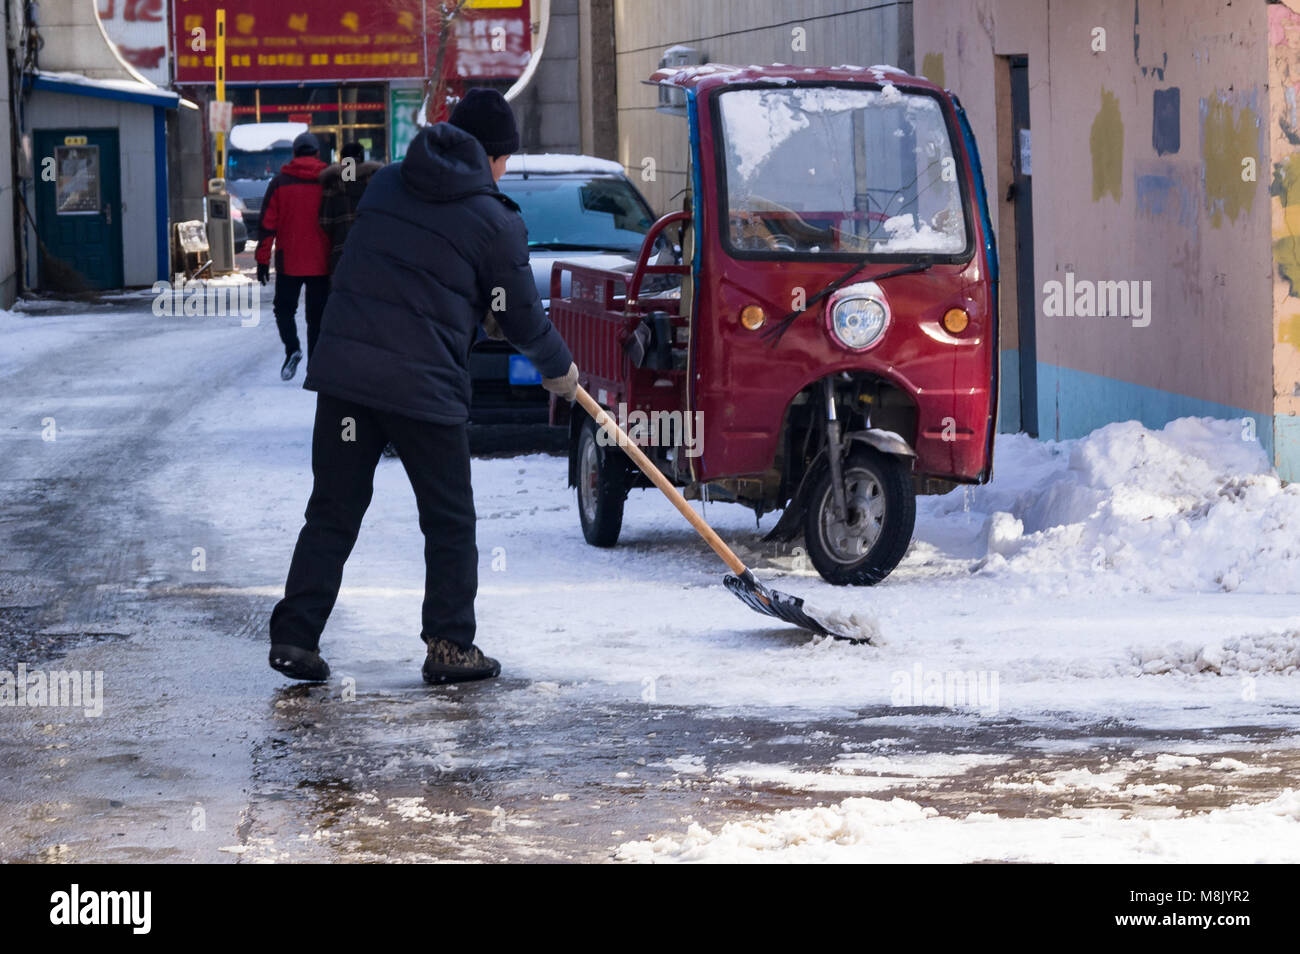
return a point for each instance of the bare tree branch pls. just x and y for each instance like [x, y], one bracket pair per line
[435, 85]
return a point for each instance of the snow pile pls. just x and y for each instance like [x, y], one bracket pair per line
[906, 236]
[889, 95]
[805, 834]
[1244, 655]
[860, 626]
[874, 830]
[1191, 507]
[856, 772]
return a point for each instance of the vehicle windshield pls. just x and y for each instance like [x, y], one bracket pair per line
[835, 170]
[257, 165]
[571, 214]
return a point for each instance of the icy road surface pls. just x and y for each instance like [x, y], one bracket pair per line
[1094, 658]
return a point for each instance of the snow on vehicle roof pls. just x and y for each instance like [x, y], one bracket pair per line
[686, 76]
[777, 73]
[560, 163]
[259, 137]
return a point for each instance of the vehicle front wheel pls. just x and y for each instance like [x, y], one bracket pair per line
[862, 547]
[602, 487]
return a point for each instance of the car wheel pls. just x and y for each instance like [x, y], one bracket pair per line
[862, 547]
[602, 487]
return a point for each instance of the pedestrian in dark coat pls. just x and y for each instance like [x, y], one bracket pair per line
[291, 224]
[435, 247]
[342, 185]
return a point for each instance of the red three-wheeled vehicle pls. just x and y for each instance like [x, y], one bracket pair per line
[818, 334]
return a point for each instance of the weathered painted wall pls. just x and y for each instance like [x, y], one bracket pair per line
[1284, 206]
[812, 32]
[1134, 181]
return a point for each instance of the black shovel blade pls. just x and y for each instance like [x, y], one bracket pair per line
[785, 607]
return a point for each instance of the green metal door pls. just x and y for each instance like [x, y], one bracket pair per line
[79, 206]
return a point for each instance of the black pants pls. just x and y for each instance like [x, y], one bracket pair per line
[436, 458]
[285, 306]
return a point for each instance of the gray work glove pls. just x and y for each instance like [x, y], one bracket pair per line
[492, 329]
[565, 387]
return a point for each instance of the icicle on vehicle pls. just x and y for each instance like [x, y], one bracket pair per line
[821, 337]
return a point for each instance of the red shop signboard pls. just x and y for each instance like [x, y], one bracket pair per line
[347, 40]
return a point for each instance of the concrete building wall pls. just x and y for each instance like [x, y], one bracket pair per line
[548, 111]
[1144, 116]
[186, 161]
[75, 42]
[135, 125]
[812, 32]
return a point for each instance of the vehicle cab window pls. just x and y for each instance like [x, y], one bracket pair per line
[824, 170]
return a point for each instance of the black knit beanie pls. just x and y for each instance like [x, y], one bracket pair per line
[305, 144]
[485, 115]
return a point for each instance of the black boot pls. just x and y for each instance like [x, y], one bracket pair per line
[298, 663]
[290, 366]
[447, 662]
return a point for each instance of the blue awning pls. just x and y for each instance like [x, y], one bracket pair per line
[74, 84]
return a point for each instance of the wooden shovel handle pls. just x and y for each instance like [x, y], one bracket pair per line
[602, 418]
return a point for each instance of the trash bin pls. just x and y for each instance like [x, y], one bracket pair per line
[221, 228]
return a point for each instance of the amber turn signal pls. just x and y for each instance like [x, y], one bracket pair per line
[955, 321]
[752, 317]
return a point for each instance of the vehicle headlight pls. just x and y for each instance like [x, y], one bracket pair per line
[859, 322]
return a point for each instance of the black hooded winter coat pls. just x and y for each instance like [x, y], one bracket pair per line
[435, 247]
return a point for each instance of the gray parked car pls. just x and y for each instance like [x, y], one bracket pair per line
[579, 209]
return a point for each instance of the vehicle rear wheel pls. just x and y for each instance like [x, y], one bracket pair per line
[862, 547]
[602, 487]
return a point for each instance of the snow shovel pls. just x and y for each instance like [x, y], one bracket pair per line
[752, 593]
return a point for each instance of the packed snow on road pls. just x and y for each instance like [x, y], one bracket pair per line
[1094, 657]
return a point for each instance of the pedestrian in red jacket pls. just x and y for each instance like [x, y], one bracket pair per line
[291, 224]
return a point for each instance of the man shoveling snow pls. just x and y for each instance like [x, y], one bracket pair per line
[434, 247]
